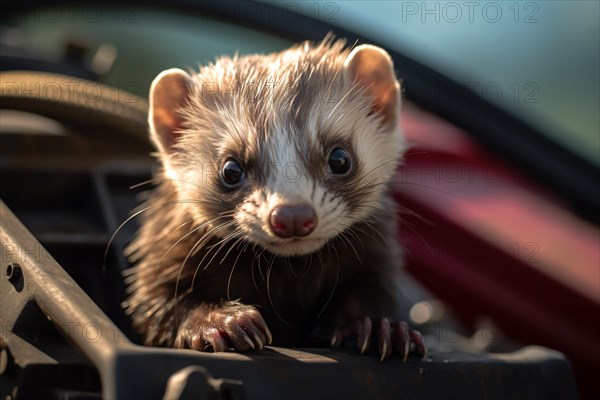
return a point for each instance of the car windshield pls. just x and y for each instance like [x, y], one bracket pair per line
[538, 60]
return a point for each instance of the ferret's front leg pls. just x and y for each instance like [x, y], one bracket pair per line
[218, 327]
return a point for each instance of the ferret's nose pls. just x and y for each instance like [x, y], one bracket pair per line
[288, 221]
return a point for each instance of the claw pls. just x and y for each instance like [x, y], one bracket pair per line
[269, 336]
[364, 334]
[385, 338]
[383, 351]
[263, 329]
[401, 339]
[419, 342]
[250, 342]
[216, 341]
[336, 338]
[258, 341]
[406, 349]
[365, 346]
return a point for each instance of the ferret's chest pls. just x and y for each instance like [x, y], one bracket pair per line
[287, 285]
[295, 286]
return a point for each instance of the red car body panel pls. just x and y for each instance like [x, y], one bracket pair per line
[491, 243]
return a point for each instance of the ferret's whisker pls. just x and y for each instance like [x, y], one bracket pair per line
[233, 267]
[350, 232]
[225, 241]
[193, 249]
[337, 277]
[260, 267]
[350, 245]
[162, 179]
[241, 236]
[254, 275]
[380, 239]
[208, 238]
[191, 232]
[135, 214]
[270, 267]
[391, 160]
[421, 238]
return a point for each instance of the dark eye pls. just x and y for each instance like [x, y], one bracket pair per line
[232, 173]
[339, 162]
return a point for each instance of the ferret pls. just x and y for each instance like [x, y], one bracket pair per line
[272, 221]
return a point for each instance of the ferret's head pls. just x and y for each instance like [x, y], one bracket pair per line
[285, 151]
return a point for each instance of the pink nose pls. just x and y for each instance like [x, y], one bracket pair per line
[288, 221]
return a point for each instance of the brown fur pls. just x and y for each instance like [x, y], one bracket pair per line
[299, 286]
[185, 273]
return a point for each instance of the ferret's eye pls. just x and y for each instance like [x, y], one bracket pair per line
[232, 173]
[339, 162]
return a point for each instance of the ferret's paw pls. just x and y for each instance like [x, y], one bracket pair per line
[234, 326]
[387, 335]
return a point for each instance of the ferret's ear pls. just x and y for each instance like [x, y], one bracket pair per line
[169, 92]
[372, 67]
